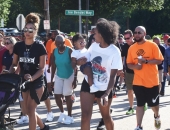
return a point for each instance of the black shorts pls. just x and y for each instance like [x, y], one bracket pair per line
[146, 95]
[85, 87]
[36, 84]
[33, 86]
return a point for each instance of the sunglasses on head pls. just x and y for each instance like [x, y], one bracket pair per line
[30, 30]
[127, 38]
[137, 32]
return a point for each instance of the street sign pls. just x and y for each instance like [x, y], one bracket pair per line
[80, 12]
[46, 24]
[20, 21]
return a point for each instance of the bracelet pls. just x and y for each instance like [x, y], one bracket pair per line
[139, 64]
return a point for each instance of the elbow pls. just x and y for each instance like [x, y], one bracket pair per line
[159, 62]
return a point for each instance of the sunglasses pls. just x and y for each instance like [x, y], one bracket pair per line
[82, 43]
[137, 32]
[7, 43]
[127, 38]
[30, 30]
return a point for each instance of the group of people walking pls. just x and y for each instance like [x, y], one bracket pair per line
[55, 65]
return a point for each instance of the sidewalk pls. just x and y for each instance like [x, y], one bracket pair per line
[119, 105]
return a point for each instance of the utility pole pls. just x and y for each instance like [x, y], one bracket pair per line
[87, 8]
[46, 13]
[80, 25]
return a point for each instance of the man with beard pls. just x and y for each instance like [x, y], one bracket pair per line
[143, 57]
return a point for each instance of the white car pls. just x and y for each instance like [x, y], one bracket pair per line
[9, 31]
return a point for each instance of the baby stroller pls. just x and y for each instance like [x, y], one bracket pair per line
[9, 92]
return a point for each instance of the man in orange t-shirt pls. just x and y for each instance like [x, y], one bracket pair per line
[143, 57]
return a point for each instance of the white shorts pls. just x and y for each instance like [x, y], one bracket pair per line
[63, 86]
[48, 75]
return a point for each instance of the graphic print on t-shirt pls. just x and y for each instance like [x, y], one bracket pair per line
[26, 59]
[140, 52]
[99, 72]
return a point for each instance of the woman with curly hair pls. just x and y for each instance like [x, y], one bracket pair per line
[31, 57]
[106, 61]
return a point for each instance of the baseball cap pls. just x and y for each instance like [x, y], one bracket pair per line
[165, 37]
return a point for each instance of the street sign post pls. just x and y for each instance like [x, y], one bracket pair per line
[46, 24]
[20, 21]
[80, 12]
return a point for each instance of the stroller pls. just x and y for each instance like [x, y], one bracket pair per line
[9, 92]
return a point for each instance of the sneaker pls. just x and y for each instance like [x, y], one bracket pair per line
[138, 128]
[50, 117]
[93, 89]
[46, 127]
[145, 107]
[130, 111]
[22, 120]
[157, 123]
[62, 117]
[101, 125]
[68, 120]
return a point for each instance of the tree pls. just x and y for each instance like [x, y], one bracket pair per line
[102, 8]
[156, 22]
[4, 9]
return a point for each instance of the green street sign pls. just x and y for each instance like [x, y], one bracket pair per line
[80, 12]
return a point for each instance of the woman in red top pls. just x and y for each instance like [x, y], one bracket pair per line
[2, 49]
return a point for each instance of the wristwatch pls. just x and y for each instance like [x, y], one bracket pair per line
[146, 61]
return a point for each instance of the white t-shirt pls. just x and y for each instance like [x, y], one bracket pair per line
[103, 60]
[80, 53]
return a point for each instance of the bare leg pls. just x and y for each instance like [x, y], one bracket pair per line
[49, 87]
[48, 104]
[31, 111]
[86, 100]
[69, 104]
[130, 98]
[22, 108]
[59, 102]
[105, 112]
[156, 110]
[89, 73]
[139, 115]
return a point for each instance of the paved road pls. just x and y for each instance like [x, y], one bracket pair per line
[119, 106]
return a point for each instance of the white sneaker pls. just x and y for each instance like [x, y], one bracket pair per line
[68, 120]
[93, 89]
[23, 119]
[62, 117]
[138, 128]
[50, 116]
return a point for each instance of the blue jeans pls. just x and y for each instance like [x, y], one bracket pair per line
[163, 84]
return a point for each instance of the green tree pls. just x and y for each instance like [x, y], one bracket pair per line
[156, 22]
[4, 9]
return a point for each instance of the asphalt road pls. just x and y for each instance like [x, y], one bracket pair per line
[119, 105]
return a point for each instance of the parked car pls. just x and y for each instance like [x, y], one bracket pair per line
[9, 31]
